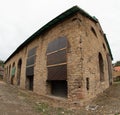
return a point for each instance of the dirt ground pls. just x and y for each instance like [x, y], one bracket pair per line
[15, 101]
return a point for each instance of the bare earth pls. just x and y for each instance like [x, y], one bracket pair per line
[14, 101]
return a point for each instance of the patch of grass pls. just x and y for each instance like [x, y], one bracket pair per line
[117, 113]
[46, 109]
[116, 82]
[43, 108]
[22, 94]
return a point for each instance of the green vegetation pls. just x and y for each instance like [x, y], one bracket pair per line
[46, 109]
[1, 63]
[117, 63]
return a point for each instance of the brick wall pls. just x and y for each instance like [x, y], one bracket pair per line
[86, 41]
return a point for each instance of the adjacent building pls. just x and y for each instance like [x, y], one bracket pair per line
[68, 59]
[116, 73]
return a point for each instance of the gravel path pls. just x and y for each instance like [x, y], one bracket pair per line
[12, 102]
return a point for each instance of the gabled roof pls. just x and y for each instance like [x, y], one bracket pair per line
[70, 12]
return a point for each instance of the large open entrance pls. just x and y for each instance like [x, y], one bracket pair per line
[29, 82]
[13, 73]
[101, 67]
[57, 66]
[59, 88]
[9, 73]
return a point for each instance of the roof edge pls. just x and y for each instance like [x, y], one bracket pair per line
[108, 46]
[52, 23]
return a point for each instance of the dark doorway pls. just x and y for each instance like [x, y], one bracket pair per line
[29, 83]
[59, 88]
[19, 71]
[101, 67]
[12, 79]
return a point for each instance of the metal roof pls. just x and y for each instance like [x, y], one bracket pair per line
[70, 12]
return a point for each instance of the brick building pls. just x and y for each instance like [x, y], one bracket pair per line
[116, 73]
[67, 60]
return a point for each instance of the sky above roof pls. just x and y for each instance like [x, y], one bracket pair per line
[19, 19]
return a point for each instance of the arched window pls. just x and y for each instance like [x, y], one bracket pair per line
[30, 63]
[57, 66]
[101, 67]
[19, 71]
[9, 70]
[13, 73]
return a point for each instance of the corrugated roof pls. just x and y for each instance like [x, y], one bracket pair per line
[70, 12]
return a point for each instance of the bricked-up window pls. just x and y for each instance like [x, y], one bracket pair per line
[13, 70]
[56, 59]
[30, 62]
[19, 66]
[13, 73]
[101, 67]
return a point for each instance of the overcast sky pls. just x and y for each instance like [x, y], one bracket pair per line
[19, 19]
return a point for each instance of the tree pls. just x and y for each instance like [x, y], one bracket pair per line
[117, 63]
[1, 63]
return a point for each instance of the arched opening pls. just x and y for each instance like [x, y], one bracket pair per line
[9, 74]
[101, 67]
[57, 67]
[13, 73]
[109, 69]
[19, 71]
[31, 57]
